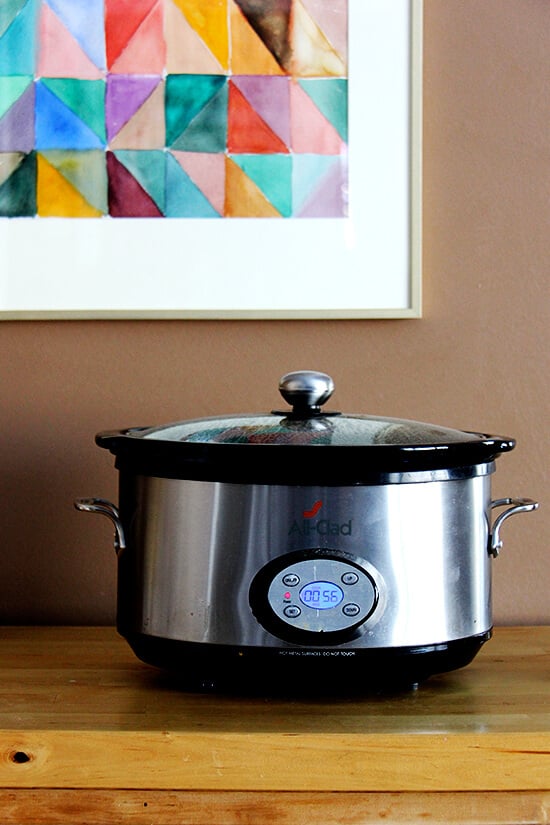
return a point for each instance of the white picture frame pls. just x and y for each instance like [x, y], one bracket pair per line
[367, 265]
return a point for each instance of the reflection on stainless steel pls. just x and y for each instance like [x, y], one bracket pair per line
[194, 548]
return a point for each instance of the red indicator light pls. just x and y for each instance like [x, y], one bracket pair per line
[287, 596]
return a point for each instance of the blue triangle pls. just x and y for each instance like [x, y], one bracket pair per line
[183, 198]
[59, 128]
[85, 20]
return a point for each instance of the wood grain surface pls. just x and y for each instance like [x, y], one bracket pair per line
[78, 710]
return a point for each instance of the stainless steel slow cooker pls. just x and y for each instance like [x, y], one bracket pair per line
[305, 549]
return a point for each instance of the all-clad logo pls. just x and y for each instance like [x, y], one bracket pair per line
[310, 526]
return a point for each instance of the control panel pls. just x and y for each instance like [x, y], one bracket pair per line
[315, 596]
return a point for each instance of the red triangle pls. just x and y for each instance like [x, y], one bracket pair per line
[122, 20]
[127, 198]
[246, 131]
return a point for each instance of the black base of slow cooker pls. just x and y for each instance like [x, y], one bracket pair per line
[296, 671]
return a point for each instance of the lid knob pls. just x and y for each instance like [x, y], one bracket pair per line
[306, 391]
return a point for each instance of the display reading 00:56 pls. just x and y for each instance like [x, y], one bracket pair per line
[321, 595]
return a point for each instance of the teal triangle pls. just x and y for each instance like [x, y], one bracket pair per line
[207, 132]
[18, 43]
[272, 174]
[185, 96]
[183, 198]
[11, 89]
[9, 9]
[330, 95]
[148, 168]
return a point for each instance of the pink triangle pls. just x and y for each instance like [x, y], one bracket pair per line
[208, 173]
[312, 133]
[332, 19]
[60, 55]
[146, 51]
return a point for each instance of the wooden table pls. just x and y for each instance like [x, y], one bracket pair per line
[88, 734]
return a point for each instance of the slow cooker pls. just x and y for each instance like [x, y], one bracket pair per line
[304, 549]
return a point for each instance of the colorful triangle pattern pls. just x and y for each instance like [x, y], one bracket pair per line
[173, 108]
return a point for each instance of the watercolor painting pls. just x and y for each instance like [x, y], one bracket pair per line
[173, 109]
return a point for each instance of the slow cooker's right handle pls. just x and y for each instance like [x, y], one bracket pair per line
[519, 505]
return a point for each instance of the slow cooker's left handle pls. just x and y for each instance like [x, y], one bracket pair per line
[104, 508]
[519, 505]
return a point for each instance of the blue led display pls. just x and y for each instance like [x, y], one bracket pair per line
[321, 595]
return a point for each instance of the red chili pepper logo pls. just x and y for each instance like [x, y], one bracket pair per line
[314, 510]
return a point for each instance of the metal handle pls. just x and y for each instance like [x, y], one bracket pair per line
[306, 390]
[104, 508]
[519, 505]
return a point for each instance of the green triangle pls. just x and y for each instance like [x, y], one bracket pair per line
[272, 174]
[207, 132]
[11, 89]
[86, 98]
[185, 97]
[148, 168]
[330, 95]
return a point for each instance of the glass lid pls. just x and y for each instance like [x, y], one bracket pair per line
[306, 423]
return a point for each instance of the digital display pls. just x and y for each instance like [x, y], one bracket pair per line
[321, 595]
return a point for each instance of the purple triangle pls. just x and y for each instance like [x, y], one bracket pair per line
[270, 98]
[17, 125]
[125, 95]
[329, 199]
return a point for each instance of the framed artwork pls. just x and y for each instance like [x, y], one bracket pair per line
[210, 158]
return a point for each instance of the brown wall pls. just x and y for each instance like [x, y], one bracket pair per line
[479, 358]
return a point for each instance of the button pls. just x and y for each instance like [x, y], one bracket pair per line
[292, 611]
[351, 609]
[350, 578]
[291, 579]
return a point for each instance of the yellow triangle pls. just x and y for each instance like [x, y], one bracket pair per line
[209, 19]
[243, 199]
[248, 54]
[56, 197]
[312, 54]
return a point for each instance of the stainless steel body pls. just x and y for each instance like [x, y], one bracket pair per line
[194, 548]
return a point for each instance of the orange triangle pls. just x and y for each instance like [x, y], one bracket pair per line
[246, 131]
[249, 54]
[56, 197]
[243, 199]
[209, 19]
[186, 52]
[145, 53]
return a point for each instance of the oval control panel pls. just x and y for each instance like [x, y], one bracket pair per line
[315, 596]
